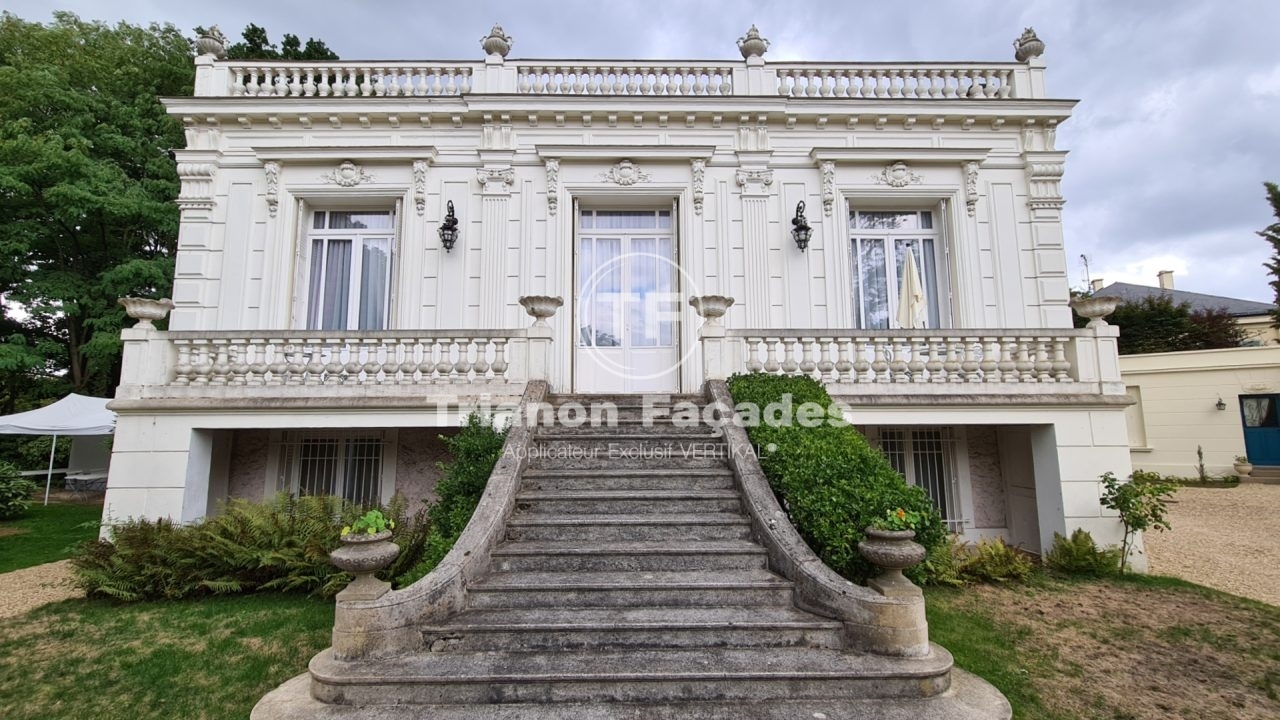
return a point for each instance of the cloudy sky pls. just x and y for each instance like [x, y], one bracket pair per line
[1178, 127]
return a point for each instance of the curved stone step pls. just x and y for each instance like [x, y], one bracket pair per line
[615, 452]
[634, 589]
[571, 556]
[571, 628]
[629, 675]
[632, 526]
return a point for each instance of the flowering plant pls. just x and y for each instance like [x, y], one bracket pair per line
[371, 523]
[898, 519]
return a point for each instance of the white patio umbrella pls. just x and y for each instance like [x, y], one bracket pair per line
[911, 307]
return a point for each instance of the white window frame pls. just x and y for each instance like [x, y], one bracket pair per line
[281, 478]
[358, 237]
[937, 285]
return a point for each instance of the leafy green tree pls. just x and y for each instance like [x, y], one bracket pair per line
[1157, 324]
[1271, 234]
[86, 189]
[1141, 506]
[256, 45]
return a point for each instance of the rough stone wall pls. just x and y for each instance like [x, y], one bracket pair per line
[985, 478]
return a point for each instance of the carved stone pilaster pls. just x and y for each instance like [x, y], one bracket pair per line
[420, 186]
[272, 170]
[496, 180]
[828, 168]
[196, 192]
[553, 185]
[971, 188]
[698, 166]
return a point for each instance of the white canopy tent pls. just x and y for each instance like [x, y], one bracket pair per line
[74, 415]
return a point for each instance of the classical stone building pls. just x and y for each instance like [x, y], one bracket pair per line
[357, 238]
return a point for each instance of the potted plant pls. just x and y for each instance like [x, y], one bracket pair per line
[890, 546]
[365, 550]
[1242, 466]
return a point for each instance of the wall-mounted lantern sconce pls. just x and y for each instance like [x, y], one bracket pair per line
[449, 228]
[1221, 404]
[800, 229]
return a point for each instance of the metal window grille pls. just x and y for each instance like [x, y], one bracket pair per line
[342, 464]
[926, 458]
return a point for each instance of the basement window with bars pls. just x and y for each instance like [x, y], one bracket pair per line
[348, 464]
[925, 456]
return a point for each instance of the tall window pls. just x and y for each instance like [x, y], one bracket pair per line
[350, 270]
[882, 243]
[925, 456]
[348, 464]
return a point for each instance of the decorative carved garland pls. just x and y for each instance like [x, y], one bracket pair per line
[553, 186]
[272, 170]
[971, 187]
[699, 168]
[897, 175]
[420, 186]
[625, 174]
[828, 185]
[348, 174]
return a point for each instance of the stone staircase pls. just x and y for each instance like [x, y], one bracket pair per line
[628, 585]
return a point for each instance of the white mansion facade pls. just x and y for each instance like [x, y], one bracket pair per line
[322, 330]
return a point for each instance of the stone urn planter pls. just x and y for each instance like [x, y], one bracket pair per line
[146, 310]
[752, 45]
[711, 307]
[212, 42]
[541, 307]
[892, 551]
[363, 555]
[1027, 46]
[1242, 466]
[1095, 308]
[496, 42]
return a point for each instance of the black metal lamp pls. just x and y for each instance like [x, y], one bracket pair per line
[800, 229]
[449, 228]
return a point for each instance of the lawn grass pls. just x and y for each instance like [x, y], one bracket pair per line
[208, 659]
[46, 533]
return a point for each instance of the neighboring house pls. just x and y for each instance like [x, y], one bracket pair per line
[1223, 402]
[322, 333]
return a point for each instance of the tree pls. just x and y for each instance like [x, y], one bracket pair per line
[1158, 324]
[256, 45]
[86, 189]
[1272, 235]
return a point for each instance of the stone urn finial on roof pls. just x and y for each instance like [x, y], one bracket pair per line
[496, 42]
[752, 45]
[212, 42]
[1027, 46]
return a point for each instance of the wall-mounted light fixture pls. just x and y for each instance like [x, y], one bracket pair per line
[449, 228]
[1221, 404]
[800, 229]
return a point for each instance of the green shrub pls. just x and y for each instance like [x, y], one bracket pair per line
[994, 561]
[279, 545]
[15, 492]
[1141, 505]
[474, 451]
[1080, 555]
[942, 565]
[829, 480]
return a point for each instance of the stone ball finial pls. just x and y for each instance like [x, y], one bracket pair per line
[212, 42]
[752, 45]
[1027, 46]
[496, 42]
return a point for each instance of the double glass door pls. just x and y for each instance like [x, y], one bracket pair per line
[627, 305]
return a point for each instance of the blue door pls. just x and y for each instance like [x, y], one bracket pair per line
[1261, 428]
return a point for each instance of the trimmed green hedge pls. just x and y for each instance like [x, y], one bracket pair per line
[829, 480]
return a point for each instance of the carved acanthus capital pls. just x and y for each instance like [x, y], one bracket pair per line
[496, 181]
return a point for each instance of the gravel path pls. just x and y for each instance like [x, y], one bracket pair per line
[29, 588]
[1226, 538]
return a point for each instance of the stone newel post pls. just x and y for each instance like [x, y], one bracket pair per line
[711, 308]
[540, 307]
[146, 349]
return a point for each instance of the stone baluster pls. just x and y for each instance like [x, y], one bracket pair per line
[388, 352]
[1061, 366]
[444, 362]
[753, 354]
[771, 364]
[1008, 366]
[919, 358]
[482, 364]
[844, 366]
[1044, 365]
[330, 361]
[898, 361]
[790, 349]
[808, 364]
[1025, 362]
[295, 82]
[953, 366]
[499, 359]
[462, 368]
[314, 372]
[880, 365]
[182, 369]
[970, 364]
[989, 363]
[862, 350]
[238, 367]
[826, 363]
[200, 363]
